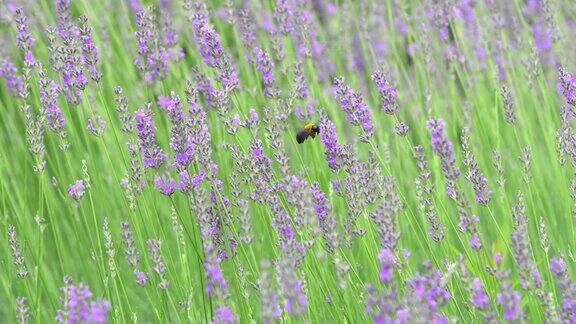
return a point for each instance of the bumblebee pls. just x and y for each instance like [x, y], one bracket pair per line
[309, 129]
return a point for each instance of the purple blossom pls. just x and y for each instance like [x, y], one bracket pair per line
[76, 189]
[135, 5]
[388, 97]
[153, 54]
[198, 127]
[186, 183]
[430, 290]
[356, 110]
[261, 170]
[90, 54]
[479, 298]
[557, 266]
[49, 91]
[247, 32]
[332, 150]
[141, 277]
[216, 285]
[96, 125]
[152, 154]
[475, 242]
[542, 38]
[166, 186]
[180, 140]
[78, 306]
[206, 37]
[465, 11]
[131, 252]
[443, 147]
[266, 68]
[387, 260]
[300, 83]
[269, 299]
[158, 264]
[10, 74]
[24, 39]
[567, 289]
[224, 315]
[510, 301]
[326, 219]
[567, 86]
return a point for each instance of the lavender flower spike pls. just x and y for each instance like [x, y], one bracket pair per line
[443, 147]
[152, 154]
[388, 97]
[356, 110]
[76, 189]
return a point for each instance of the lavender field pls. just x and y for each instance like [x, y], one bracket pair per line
[289, 161]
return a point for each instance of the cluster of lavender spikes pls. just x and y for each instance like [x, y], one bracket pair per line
[305, 214]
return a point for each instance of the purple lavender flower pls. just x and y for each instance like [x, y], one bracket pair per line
[510, 300]
[387, 260]
[465, 11]
[49, 91]
[9, 72]
[180, 140]
[159, 266]
[269, 298]
[78, 306]
[216, 285]
[205, 87]
[385, 307]
[430, 290]
[388, 97]
[567, 289]
[89, 51]
[186, 183]
[24, 39]
[132, 255]
[356, 110]
[123, 110]
[247, 27]
[165, 186]
[326, 219]
[265, 66]
[479, 298]
[332, 150]
[152, 154]
[283, 16]
[300, 83]
[261, 170]
[557, 266]
[475, 242]
[96, 125]
[76, 189]
[443, 147]
[521, 248]
[224, 315]
[153, 54]
[567, 86]
[199, 132]
[135, 5]
[206, 37]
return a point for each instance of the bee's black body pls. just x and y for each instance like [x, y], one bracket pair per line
[309, 130]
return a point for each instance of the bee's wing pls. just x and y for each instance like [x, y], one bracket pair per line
[301, 136]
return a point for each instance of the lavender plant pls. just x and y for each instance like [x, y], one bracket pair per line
[149, 152]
